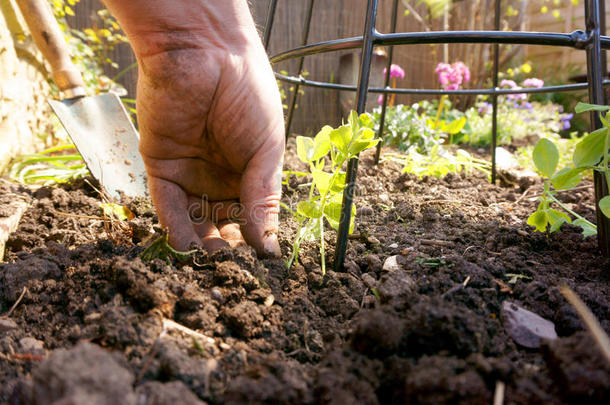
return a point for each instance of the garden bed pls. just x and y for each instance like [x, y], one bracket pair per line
[89, 322]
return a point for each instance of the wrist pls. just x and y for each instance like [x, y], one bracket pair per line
[165, 26]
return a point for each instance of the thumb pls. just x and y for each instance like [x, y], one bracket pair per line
[260, 193]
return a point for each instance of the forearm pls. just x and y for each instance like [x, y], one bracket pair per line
[165, 25]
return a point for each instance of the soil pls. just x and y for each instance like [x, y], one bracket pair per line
[91, 323]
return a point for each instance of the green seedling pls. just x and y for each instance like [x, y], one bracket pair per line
[160, 249]
[439, 162]
[48, 167]
[326, 155]
[514, 277]
[435, 262]
[591, 153]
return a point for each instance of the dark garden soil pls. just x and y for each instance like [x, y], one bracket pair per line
[97, 325]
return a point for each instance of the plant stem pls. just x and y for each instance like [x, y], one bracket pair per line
[555, 200]
[441, 105]
[322, 259]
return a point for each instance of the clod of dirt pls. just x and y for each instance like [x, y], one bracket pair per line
[395, 284]
[85, 374]
[377, 333]
[7, 324]
[525, 327]
[32, 271]
[579, 367]
[174, 392]
[245, 319]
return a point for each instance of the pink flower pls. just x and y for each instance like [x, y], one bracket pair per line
[452, 76]
[533, 82]
[508, 83]
[395, 71]
[463, 70]
[380, 99]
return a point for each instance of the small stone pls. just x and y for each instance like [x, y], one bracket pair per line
[373, 240]
[7, 324]
[224, 346]
[269, 300]
[31, 345]
[391, 264]
[525, 327]
[384, 197]
[393, 246]
[217, 295]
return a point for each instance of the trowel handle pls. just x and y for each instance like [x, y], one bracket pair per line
[50, 41]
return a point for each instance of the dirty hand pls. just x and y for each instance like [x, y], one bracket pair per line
[210, 119]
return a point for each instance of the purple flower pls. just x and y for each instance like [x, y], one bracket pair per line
[565, 121]
[395, 71]
[527, 106]
[533, 82]
[485, 108]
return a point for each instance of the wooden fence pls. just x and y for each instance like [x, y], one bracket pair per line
[333, 19]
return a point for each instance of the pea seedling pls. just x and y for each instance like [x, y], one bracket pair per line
[334, 146]
[590, 153]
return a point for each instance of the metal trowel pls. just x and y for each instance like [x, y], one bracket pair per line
[98, 125]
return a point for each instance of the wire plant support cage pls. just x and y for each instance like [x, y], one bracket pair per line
[592, 41]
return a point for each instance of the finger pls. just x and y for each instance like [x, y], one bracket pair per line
[210, 236]
[260, 192]
[171, 204]
[231, 233]
[216, 211]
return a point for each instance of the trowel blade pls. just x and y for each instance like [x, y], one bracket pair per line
[107, 140]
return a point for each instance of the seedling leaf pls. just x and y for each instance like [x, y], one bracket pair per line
[604, 205]
[305, 148]
[546, 157]
[590, 150]
[321, 143]
[587, 228]
[538, 219]
[454, 126]
[322, 180]
[117, 211]
[309, 209]
[567, 178]
[557, 218]
[582, 107]
[341, 138]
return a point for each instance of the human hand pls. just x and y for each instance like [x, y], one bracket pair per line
[211, 122]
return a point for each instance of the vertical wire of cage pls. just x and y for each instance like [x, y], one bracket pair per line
[593, 41]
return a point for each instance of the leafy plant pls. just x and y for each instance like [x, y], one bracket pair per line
[50, 166]
[591, 153]
[326, 154]
[438, 162]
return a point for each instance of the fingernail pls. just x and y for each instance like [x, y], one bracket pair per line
[271, 246]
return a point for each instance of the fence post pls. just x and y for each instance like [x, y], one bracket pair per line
[352, 166]
[596, 96]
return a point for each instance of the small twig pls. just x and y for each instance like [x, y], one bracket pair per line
[503, 286]
[523, 195]
[467, 249]
[28, 356]
[592, 324]
[66, 214]
[152, 353]
[499, 393]
[435, 242]
[10, 311]
[465, 283]
[171, 325]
